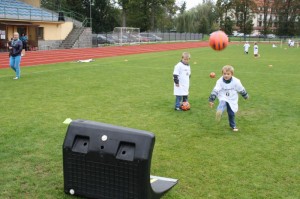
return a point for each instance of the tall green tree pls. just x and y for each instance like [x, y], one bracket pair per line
[105, 16]
[150, 14]
[268, 9]
[125, 6]
[182, 8]
[201, 19]
[225, 15]
[288, 14]
[244, 14]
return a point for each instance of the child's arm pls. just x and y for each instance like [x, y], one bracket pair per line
[214, 94]
[176, 80]
[244, 94]
[212, 98]
[241, 90]
[176, 75]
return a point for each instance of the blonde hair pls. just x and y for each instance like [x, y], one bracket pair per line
[228, 68]
[186, 55]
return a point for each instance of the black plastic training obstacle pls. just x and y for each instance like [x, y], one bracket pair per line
[110, 162]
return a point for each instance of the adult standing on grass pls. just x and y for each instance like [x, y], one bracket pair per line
[15, 48]
[181, 76]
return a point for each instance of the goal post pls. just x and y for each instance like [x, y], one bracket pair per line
[126, 35]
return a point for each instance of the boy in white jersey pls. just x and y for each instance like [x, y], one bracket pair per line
[255, 50]
[226, 90]
[181, 77]
[246, 47]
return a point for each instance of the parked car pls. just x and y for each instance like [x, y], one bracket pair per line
[151, 36]
[254, 35]
[120, 39]
[102, 39]
[271, 36]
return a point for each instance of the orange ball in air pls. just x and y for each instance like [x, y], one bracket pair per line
[218, 40]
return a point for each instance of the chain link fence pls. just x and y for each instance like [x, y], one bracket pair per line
[102, 39]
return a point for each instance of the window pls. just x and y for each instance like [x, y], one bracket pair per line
[259, 24]
[41, 33]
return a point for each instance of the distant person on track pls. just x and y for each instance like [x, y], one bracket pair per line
[15, 48]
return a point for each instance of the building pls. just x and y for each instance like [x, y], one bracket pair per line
[262, 14]
[45, 29]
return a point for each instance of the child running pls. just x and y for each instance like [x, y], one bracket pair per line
[226, 90]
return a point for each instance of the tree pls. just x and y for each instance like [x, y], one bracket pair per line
[227, 25]
[267, 10]
[182, 8]
[244, 15]
[150, 14]
[288, 12]
[199, 19]
[105, 16]
[125, 6]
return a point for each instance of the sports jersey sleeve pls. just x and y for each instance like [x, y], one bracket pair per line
[176, 69]
[175, 78]
[241, 90]
[215, 91]
[176, 74]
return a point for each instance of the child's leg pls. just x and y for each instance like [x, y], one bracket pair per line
[178, 100]
[221, 107]
[231, 116]
[185, 98]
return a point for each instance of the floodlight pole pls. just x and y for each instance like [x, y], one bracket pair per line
[91, 15]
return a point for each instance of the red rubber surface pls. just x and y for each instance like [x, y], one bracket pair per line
[33, 58]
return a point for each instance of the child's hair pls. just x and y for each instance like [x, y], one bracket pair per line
[228, 68]
[186, 54]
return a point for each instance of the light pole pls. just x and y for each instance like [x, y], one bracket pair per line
[91, 15]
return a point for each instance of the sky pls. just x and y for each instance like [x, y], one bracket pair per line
[189, 3]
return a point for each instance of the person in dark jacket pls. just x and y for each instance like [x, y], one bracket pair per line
[24, 40]
[15, 48]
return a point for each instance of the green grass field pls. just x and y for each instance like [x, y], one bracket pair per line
[262, 160]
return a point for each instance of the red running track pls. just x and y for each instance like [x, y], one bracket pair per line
[33, 58]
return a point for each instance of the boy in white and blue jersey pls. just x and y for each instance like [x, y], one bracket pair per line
[226, 90]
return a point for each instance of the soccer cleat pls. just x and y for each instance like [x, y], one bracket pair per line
[218, 115]
[235, 129]
[15, 78]
[177, 109]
